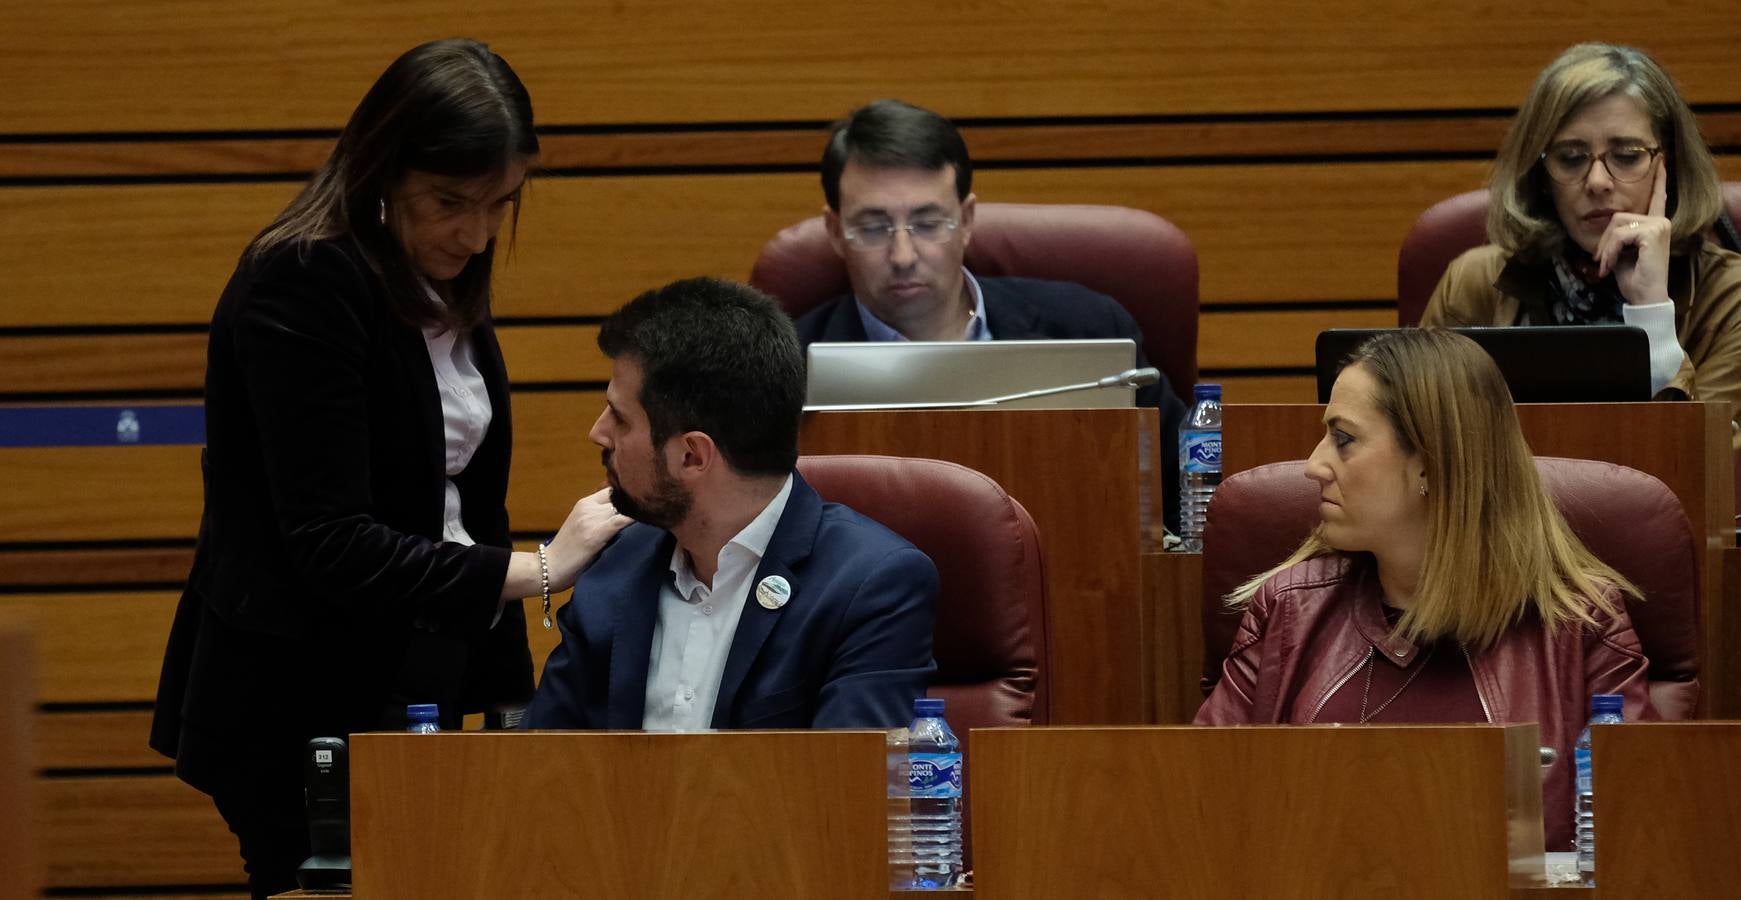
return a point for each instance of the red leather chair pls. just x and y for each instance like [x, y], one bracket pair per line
[990, 638]
[1440, 235]
[1138, 258]
[1627, 518]
[1452, 226]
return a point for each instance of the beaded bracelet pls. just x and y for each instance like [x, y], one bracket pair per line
[544, 579]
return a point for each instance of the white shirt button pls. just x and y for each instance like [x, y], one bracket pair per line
[707, 610]
[689, 693]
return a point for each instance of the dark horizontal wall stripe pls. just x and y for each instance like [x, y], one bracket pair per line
[102, 545]
[106, 772]
[778, 147]
[1272, 372]
[1297, 306]
[99, 330]
[67, 567]
[94, 707]
[148, 890]
[607, 128]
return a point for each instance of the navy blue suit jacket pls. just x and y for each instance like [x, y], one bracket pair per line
[1027, 309]
[850, 649]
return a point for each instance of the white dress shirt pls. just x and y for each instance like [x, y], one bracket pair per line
[693, 631]
[465, 412]
[978, 329]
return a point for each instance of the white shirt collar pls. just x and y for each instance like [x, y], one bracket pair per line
[751, 542]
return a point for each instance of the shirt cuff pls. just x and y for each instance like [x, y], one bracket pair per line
[1658, 322]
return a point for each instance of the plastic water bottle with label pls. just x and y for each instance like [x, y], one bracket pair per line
[1605, 709]
[934, 778]
[900, 805]
[423, 718]
[1199, 463]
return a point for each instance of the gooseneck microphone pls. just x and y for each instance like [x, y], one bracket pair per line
[1131, 378]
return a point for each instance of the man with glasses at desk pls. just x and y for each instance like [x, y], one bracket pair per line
[900, 215]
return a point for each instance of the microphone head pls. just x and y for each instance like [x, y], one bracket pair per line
[1140, 377]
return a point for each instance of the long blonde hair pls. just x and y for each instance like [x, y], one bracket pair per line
[1520, 212]
[1496, 547]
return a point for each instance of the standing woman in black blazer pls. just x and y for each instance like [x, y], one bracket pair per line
[354, 551]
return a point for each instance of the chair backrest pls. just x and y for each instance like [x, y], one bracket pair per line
[991, 633]
[1441, 234]
[1629, 519]
[990, 636]
[1136, 257]
[1452, 226]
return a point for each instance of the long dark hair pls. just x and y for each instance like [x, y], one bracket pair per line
[451, 108]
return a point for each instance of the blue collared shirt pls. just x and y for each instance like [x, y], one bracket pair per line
[977, 329]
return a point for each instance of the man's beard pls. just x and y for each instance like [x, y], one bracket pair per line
[666, 507]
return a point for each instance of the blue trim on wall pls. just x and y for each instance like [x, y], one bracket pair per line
[101, 426]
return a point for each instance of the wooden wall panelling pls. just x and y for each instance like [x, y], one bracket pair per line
[97, 739]
[596, 62]
[1265, 388]
[1276, 338]
[1263, 234]
[96, 647]
[136, 830]
[97, 493]
[118, 363]
[126, 254]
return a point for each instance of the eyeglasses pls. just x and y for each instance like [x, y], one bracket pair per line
[1571, 165]
[878, 235]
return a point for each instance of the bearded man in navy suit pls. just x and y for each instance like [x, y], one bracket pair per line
[898, 183]
[738, 598]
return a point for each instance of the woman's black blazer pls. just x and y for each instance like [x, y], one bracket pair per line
[321, 595]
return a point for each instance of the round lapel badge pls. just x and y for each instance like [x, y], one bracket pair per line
[773, 592]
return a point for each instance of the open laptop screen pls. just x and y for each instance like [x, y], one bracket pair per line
[1541, 363]
[899, 372]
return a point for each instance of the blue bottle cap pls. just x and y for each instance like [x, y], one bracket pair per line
[927, 707]
[1606, 704]
[1206, 391]
[423, 712]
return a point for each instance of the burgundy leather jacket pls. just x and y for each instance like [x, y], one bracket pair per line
[1309, 629]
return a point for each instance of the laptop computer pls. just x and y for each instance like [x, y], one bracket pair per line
[1541, 363]
[901, 374]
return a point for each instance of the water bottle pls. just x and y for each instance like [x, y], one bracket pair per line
[1604, 710]
[900, 824]
[1199, 463]
[423, 718]
[934, 779]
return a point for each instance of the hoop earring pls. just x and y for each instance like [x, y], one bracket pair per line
[382, 218]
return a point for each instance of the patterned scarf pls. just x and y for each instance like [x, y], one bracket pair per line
[1577, 296]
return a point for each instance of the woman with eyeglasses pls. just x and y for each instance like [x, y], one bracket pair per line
[1599, 203]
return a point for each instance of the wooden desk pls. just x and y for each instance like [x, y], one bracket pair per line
[1668, 809]
[1273, 812]
[1079, 473]
[627, 815]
